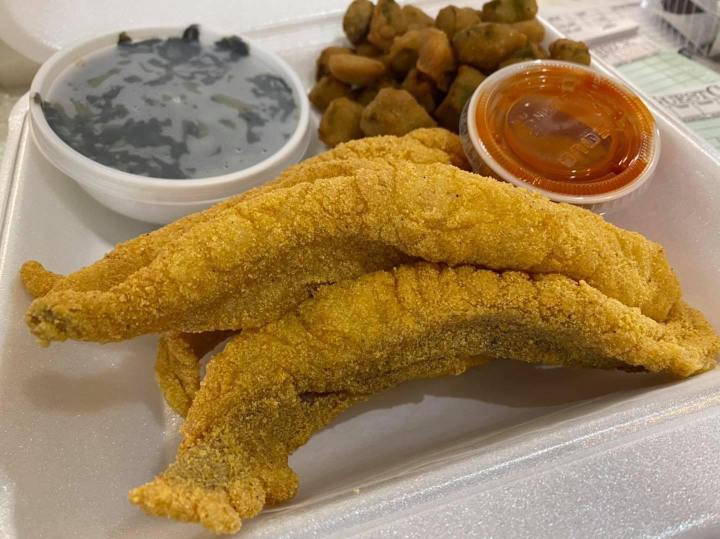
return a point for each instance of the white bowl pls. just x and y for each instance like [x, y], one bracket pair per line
[484, 163]
[157, 200]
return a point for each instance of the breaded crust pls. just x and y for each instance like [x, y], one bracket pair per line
[420, 146]
[252, 263]
[272, 388]
[177, 365]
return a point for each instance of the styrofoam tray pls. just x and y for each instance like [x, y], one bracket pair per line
[507, 450]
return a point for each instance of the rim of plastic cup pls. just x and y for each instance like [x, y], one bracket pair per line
[496, 78]
[114, 178]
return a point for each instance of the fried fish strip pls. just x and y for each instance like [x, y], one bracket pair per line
[253, 263]
[177, 365]
[272, 388]
[37, 280]
[420, 146]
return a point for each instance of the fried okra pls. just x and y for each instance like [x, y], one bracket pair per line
[533, 29]
[428, 50]
[365, 95]
[449, 111]
[416, 18]
[394, 112]
[355, 70]
[452, 19]
[570, 51]
[327, 89]
[356, 22]
[509, 11]
[422, 89]
[341, 122]
[531, 51]
[368, 50]
[388, 21]
[436, 58]
[324, 58]
[486, 45]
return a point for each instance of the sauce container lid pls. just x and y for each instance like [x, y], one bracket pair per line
[564, 130]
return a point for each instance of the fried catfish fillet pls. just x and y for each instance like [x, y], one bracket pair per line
[271, 388]
[420, 146]
[256, 260]
[177, 365]
[37, 280]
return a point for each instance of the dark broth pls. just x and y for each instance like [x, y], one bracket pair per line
[173, 108]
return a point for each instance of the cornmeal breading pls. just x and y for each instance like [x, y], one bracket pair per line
[255, 261]
[420, 146]
[272, 388]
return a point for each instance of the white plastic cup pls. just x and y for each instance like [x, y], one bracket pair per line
[157, 200]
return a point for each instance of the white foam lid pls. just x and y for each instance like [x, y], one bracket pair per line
[38, 28]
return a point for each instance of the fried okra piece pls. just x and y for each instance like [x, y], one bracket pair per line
[452, 19]
[368, 50]
[388, 21]
[486, 45]
[403, 53]
[509, 11]
[416, 18]
[436, 58]
[365, 95]
[327, 89]
[394, 112]
[324, 58]
[422, 89]
[355, 70]
[570, 51]
[449, 111]
[533, 29]
[341, 122]
[429, 50]
[356, 22]
[531, 51]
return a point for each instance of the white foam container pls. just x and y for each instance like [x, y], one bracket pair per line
[506, 450]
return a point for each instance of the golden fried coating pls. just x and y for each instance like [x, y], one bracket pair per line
[326, 90]
[255, 261]
[486, 45]
[367, 49]
[421, 146]
[341, 122]
[422, 89]
[436, 58]
[388, 21]
[403, 53]
[533, 29]
[428, 50]
[364, 96]
[416, 18]
[272, 388]
[321, 64]
[355, 70]
[449, 111]
[451, 19]
[531, 51]
[394, 112]
[36, 279]
[356, 21]
[177, 365]
[568, 50]
[509, 10]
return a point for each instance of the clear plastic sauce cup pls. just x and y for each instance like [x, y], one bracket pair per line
[564, 130]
